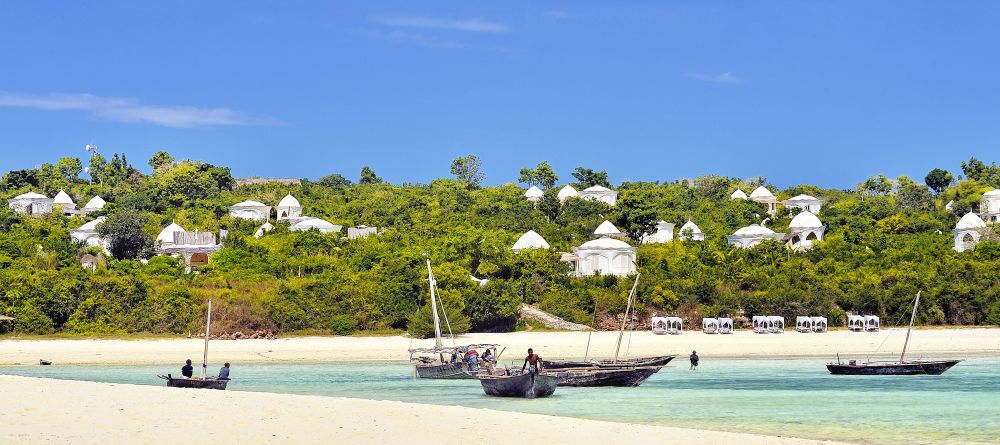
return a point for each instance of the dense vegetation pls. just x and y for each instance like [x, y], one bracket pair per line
[886, 240]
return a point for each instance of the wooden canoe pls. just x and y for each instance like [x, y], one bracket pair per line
[528, 385]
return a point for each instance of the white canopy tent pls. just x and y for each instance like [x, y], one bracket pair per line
[819, 324]
[803, 324]
[710, 325]
[675, 325]
[872, 323]
[659, 325]
[725, 325]
[855, 323]
[761, 324]
[777, 324]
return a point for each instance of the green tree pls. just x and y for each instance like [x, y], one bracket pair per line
[875, 185]
[70, 168]
[542, 175]
[124, 233]
[334, 180]
[96, 168]
[466, 169]
[368, 176]
[160, 159]
[587, 177]
[938, 180]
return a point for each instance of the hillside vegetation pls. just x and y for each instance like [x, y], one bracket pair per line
[885, 240]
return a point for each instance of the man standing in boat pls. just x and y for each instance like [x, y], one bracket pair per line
[187, 370]
[533, 362]
[694, 360]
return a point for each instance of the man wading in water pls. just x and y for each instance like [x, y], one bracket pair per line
[694, 360]
[532, 362]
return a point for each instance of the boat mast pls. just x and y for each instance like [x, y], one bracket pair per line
[437, 321]
[628, 305]
[912, 316]
[208, 325]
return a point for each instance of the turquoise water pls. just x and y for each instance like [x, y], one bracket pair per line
[794, 397]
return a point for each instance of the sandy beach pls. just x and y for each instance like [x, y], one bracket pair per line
[742, 344]
[45, 411]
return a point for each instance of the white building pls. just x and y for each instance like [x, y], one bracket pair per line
[738, 194]
[805, 202]
[267, 227]
[31, 203]
[534, 194]
[166, 236]
[605, 256]
[289, 208]
[194, 248]
[607, 229]
[690, 231]
[752, 235]
[357, 232]
[87, 234]
[96, 203]
[804, 229]
[990, 206]
[322, 225]
[763, 195]
[664, 234]
[530, 240]
[600, 193]
[252, 210]
[969, 230]
[64, 202]
[566, 192]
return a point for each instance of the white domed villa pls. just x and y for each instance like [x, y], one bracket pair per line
[690, 231]
[808, 203]
[87, 234]
[969, 230]
[763, 195]
[31, 203]
[604, 256]
[566, 192]
[166, 236]
[804, 229]
[195, 248]
[664, 234]
[990, 206]
[96, 203]
[289, 208]
[752, 235]
[738, 194]
[64, 202]
[607, 229]
[530, 240]
[322, 225]
[534, 194]
[600, 193]
[252, 210]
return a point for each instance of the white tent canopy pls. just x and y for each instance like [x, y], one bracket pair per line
[777, 324]
[725, 325]
[761, 324]
[819, 324]
[855, 322]
[710, 325]
[872, 323]
[803, 323]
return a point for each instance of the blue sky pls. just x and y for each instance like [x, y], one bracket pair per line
[825, 93]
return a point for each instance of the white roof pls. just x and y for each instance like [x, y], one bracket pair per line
[31, 195]
[805, 220]
[62, 198]
[92, 225]
[738, 194]
[166, 235]
[761, 192]
[605, 243]
[606, 228]
[289, 201]
[855, 317]
[95, 203]
[690, 225]
[249, 203]
[754, 229]
[315, 223]
[664, 232]
[803, 198]
[597, 188]
[534, 192]
[970, 221]
[995, 193]
[871, 317]
[566, 192]
[530, 240]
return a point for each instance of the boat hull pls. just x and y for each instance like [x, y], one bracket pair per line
[929, 367]
[528, 386]
[196, 384]
[661, 360]
[444, 371]
[591, 377]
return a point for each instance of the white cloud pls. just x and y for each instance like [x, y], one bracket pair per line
[129, 110]
[471, 25]
[726, 78]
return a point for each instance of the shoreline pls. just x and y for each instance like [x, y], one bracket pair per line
[555, 345]
[103, 412]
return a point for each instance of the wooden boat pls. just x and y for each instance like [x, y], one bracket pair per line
[205, 382]
[438, 362]
[660, 360]
[625, 376]
[44, 362]
[902, 367]
[528, 385]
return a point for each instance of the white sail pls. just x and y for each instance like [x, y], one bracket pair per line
[437, 321]
[208, 325]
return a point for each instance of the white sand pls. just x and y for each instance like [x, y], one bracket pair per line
[44, 411]
[950, 342]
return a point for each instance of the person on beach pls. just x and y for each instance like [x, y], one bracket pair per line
[187, 370]
[533, 362]
[224, 372]
[694, 360]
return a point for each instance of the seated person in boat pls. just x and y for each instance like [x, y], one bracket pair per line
[488, 360]
[187, 370]
[533, 362]
[224, 372]
[472, 358]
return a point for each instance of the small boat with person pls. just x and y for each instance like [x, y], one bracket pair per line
[901, 367]
[204, 382]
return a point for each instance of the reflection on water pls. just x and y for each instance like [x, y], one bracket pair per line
[787, 397]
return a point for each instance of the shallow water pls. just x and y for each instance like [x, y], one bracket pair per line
[795, 397]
